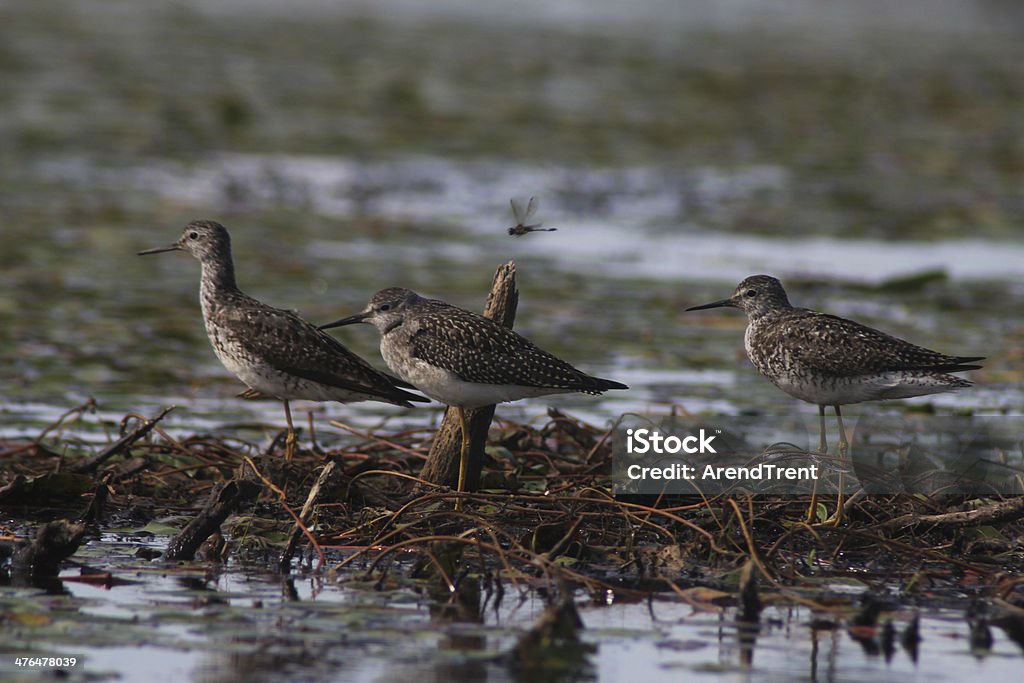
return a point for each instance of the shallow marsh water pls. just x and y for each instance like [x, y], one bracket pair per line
[240, 623]
[872, 159]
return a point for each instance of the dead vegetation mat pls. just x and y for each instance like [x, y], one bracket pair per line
[544, 515]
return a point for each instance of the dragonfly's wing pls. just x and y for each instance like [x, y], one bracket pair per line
[522, 208]
[531, 208]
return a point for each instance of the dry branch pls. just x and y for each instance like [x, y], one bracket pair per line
[996, 513]
[299, 530]
[41, 557]
[90, 465]
[223, 501]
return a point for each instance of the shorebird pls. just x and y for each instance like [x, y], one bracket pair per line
[464, 360]
[274, 351]
[832, 361]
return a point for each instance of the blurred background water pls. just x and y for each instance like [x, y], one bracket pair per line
[870, 154]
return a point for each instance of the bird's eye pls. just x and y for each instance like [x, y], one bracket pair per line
[385, 307]
[750, 293]
[193, 235]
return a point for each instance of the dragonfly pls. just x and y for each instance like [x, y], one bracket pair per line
[522, 215]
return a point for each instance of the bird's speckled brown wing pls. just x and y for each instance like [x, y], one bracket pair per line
[480, 350]
[292, 345]
[839, 347]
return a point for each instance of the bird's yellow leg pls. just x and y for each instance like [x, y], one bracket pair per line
[289, 442]
[811, 509]
[823, 449]
[844, 447]
[463, 455]
[822, 441]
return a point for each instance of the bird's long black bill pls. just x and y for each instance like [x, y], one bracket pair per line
[351, 320]
[713, 304]
[159, 250]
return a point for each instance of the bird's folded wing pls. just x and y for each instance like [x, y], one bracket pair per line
[841, 347]
[477, 349]
[288, 343]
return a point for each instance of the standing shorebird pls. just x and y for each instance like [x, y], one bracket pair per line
[465, 360]
[273, 351]
[832, 361]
